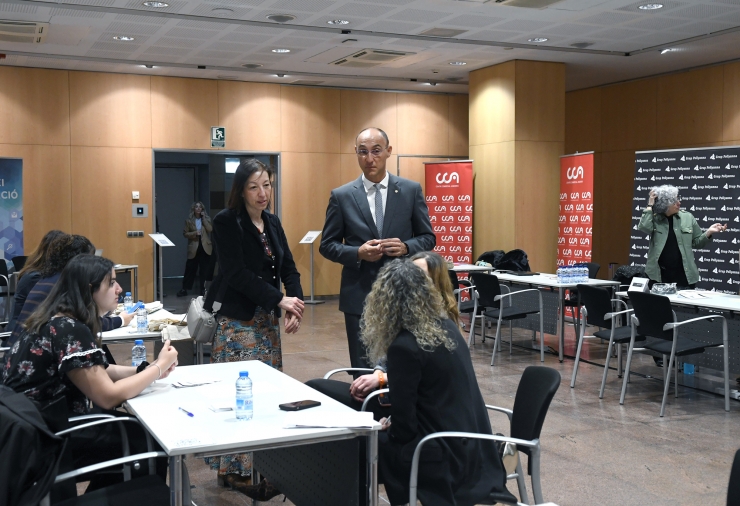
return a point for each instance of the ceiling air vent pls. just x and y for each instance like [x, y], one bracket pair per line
[369, 58]
[529, 4]
[306, 82]
[23, 31]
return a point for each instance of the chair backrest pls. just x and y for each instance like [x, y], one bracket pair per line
[598, 302]
[536, 389]
[19, 262]
[29, 451]
[653, 311]
[733, 490]
[453, 279]
[488, 288]
[593, 269]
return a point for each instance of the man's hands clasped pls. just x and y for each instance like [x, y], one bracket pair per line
[374, 249]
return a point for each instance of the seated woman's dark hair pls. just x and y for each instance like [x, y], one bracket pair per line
[73, 294]
[243, 172]
[63, 250]
[37, 259]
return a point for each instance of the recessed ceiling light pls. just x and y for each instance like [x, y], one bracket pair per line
[668, 50]
[147, 66]
[281, 18]
[251, 65]
[429, 84]
[537, 39]
[458, 63]
[156, 5]
[281, 50]
[279, 75]
[650, 7]
[123, 38]
[222, 10]
[338, 22]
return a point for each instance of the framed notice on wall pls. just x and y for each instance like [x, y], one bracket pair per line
[11, 207]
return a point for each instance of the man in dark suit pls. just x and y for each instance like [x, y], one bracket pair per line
[368, 222]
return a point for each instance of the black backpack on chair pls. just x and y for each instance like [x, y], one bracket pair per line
[515, 260]
[492, 257]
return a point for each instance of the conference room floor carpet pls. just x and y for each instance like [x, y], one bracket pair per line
[593, 451]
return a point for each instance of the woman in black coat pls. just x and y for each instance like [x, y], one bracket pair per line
[253, 259]
[433, 389]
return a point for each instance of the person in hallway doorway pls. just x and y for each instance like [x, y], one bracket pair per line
[369, 221]
[198, 229]
[674, 233]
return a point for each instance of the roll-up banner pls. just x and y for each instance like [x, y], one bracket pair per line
[449, 196]
[708, 181]
[11, 207]
[576, 208]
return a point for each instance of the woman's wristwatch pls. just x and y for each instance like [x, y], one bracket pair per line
[381, 378]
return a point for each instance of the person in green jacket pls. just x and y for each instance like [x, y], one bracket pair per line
[674, 233]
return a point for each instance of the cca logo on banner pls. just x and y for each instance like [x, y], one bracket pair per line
[440, 209]
[447, 178]
[574, 172]
[431, 198]
[463, 198]
[440, 228]
[448, 198]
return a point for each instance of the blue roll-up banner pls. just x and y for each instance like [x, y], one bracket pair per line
[11, 207]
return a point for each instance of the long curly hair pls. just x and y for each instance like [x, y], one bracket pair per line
[203, 213]
[402, 298]
[37, 259]
[666, 196]
[64, 249]
[437, 268]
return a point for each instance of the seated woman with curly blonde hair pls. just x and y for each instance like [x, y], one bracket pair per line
[433, 388]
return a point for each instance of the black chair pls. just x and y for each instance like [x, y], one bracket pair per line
[598, 309]
[463, 306]
[654, 317]
[5, 288]
[490, 303]
[19, 262]
[572, 300]
[534, 394]
[733, 489]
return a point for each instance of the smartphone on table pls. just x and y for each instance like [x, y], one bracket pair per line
[299, 405]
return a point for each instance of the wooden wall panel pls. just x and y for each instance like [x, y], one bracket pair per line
[101, 205]
[629, 116]
[492, 101]
[34, 106]
[110, 110]
[47, 199]
[423, 127]
[458, 121]
[537, 199]
[307, 181]
[183, 112]
[251, 114]
[494, 197]
[415, 170]
[363, 109]
[309, 119]
[583, 120]
[689, 108]
[540, 101]
[731, 104]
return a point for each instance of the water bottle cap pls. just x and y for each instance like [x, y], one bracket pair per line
[128, 294]
[243, 374]
[139, 342]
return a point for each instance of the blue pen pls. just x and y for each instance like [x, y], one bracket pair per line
[186, 412]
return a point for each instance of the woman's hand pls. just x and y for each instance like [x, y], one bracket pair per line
[292, 305]
[651, 198]
[717, 227]
[166, 372]
[362, 386]
[167, 358]
[126, 317]
[292, 323]
[385, 423]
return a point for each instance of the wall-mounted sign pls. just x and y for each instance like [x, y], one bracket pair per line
[218, 137]
[11, 207]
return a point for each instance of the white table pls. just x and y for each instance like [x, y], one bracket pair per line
[551, 281]
[128, 333]
[210, 433]
[713, 300]
[471, 268]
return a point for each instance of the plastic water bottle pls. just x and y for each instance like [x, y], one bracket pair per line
[128, 302]
[138, 353]
[142, 325]
[560, 274]
[568, 275]
[244, 405]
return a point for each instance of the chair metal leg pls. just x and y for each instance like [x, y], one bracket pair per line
[606, 366]
[536, 487]
[511, 335]
[578, 356]
[619, 360]
[725, 347]
[627, 369]
[471, 335]
[521, 483]
[675, 381]
[667, 380]
[496, 342]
